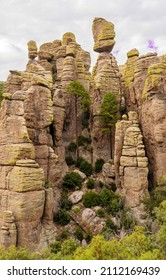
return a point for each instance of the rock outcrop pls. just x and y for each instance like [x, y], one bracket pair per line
[103, 34]
[41, 123]
[131, 164]
[37, 122]
[146, 94]
[106, 78]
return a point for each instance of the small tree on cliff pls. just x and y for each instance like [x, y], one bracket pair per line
[82, 97]
[109, 115]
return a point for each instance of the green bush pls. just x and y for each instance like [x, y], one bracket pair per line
[65, 203]
[72, 180]
[105, 197]
[115, 205]
[76, 209]
[88, 237]
[79, 161]
[111, 201]
[127, 220]
[79, 234]
[55, 247]
[72, 147]
[69, 160]
[83, 141]
[63, 235]
[110, 224]
[86, 168]
[100, 184]
[14, 253]
[62, 217]
[98, 165]
[91, 183]
[91, 199]
[100, 213]
[113, 187]
[68, 247]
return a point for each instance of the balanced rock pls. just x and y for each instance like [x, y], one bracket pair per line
[103, 34]
[32, 49]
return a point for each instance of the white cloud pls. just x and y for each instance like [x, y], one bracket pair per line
[43, 21]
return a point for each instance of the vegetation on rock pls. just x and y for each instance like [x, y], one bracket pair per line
[86, 168]
[91, 183]
[62, 217]
[98, 165]
[72, 180]
[109, 114]
[82, 97]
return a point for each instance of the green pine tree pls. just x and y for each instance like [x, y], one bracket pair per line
[109, 115]
[82, 97]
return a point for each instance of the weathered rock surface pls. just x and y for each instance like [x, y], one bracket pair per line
[106, 78]
[39, 120]
[103, 34]
[76, 197]
[90, 221]
[146, 94]
[131, 164]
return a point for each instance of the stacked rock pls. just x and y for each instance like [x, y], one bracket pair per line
[106, 78]
[132, 171]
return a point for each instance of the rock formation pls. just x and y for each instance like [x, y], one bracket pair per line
[106, 78]
[146, 94]
[38, 121]
[131, 164]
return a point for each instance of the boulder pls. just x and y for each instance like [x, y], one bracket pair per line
[103, 34]
[76, 197]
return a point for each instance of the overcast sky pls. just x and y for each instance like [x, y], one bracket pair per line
[136, 22]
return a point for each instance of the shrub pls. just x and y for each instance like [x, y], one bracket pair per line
[90, 184]
[110, 224]
[115, 205]
[88, 237]
[69, 160]
[100, 184]
[63, 235]
[68, 247]
[83, 141]
[105, 197]
[62, 217]
[72, 180]
[91, 199]
[127, 219]
[110, 200]
[79, 234]
[76, 209]
[98, 165]
[72, 147]
[79, 161]
[86, 168]
[55, 247]
[113, 187]
[65, 203]
[100, 213]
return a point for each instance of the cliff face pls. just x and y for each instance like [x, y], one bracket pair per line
[39, 119]
[106, 78]
[146, 94]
